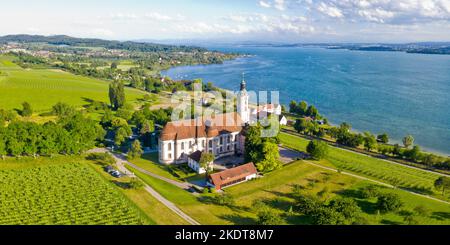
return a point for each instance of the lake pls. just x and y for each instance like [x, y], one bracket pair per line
[392, 92]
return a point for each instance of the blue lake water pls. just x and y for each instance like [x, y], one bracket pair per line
[392, 92]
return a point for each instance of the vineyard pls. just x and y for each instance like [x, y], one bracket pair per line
[63, 194]
[394, 174]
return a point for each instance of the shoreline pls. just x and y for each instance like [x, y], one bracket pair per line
[355, 130]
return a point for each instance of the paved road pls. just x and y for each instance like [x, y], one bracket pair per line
[120, 161]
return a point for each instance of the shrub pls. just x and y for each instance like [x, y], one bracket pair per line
[389, 202]
[136, 184]
[317, 149]
[370, 192]
[268, 217]
[224, 199]
[101, 158]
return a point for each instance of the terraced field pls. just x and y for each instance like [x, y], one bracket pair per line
[70, 193]
[394, 174]
[45, 87]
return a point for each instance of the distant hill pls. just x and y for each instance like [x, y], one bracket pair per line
[93, 42]
[420, 47]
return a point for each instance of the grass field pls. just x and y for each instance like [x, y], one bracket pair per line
[150, 163]
[159, 213]
[198, 207]
[43, 88]
[61, 191]
[397, 175]
[275, 190]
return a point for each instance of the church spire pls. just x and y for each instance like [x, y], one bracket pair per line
[243, 82]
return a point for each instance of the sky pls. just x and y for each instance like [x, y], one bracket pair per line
[302, 21]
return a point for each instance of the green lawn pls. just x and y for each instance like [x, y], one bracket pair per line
[275, 189]
[43, 88]
[157, 211]
[150, 163]
[198, 207]
[61, 191]
[398, 175]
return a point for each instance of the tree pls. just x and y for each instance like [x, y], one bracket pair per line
[312, 111]
[268, 217]
[302, 108]
[26, 109]
[269, 162]
[224, 199]
[369, 141]
[408, 141]
[388, 202]
[114, 65]
[135, 150]
[253, 144]
[147, 127]
[3, 151]
[347, 207]
[120, 135]
[116, 94]
[206, 162]
[293, 106]
[383, 138]
[62, 110]
[327, 216]
[300, 125]
[442, 183]
[317, 149]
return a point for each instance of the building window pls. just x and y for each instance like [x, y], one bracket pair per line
[170, 156]
[169, 146]
[182, 146]
[210, 144]
[221, 140]
[190, 144]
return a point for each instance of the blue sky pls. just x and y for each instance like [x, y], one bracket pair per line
[233, 20]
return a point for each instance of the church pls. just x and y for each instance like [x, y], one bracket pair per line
[218, 134]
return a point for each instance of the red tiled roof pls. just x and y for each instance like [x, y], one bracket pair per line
[233, 174]
[197, 128]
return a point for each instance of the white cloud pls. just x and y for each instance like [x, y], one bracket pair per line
[280, 4]
[330, 10]
[277, 4]
[384, 11]
[264, 4]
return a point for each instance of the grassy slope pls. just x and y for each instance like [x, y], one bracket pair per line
[44, 87]
[150, 163]
[147, 203]
[374, 168]
[202, 211]
[277, 194]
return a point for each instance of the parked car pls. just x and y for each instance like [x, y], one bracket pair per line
[116, 174]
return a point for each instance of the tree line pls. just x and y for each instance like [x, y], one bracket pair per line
[70, 134]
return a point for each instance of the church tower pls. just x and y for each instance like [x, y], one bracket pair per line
[242, 102]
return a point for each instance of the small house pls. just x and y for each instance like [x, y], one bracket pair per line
[233, 176]
[194, 162]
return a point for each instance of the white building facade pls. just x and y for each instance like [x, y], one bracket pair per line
[218, 134]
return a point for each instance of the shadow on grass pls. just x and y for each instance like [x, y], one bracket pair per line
[238, 219]
[441, 215]
[389, 222]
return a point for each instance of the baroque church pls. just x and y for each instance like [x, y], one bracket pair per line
[183, 141]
